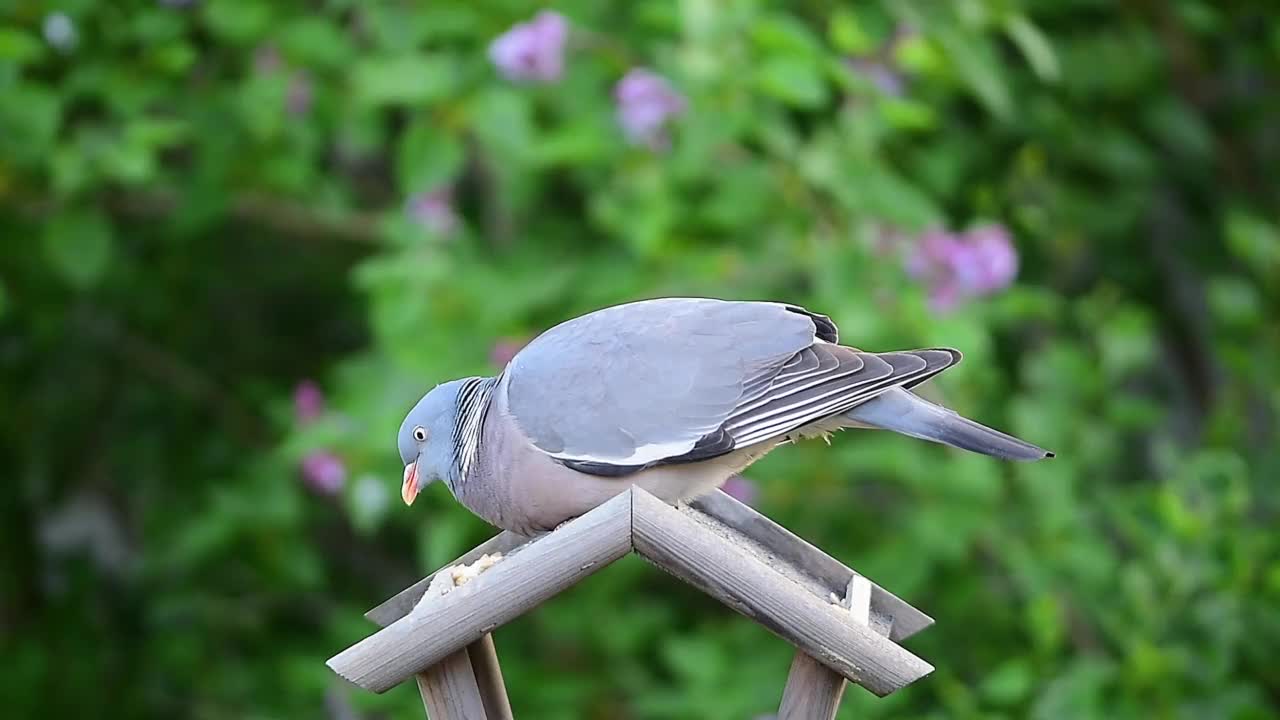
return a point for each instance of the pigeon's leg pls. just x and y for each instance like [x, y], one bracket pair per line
[536, 533]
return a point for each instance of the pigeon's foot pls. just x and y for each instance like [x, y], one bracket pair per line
[566, 522]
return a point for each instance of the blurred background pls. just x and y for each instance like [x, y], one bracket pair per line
[239, 238]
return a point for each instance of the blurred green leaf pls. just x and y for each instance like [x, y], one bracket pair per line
[316, 42]
[847, 34]
[1035, 46]
[1234, 301]
[19, 47]
[1009, 683]
[29, 121]
[907, 114]
[781, 35]
[238, 21]
[427, 157]
[975, 62]
[793, 80]
[403, 79]
[78, 244]
[1255, 241]
[503, 119]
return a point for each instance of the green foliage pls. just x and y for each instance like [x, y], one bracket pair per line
[202, 204]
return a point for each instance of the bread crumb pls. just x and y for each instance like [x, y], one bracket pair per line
[455, 576]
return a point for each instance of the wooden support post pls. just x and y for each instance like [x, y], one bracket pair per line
[493, 691]
[813, 692]
[467, 685]
[450, 691]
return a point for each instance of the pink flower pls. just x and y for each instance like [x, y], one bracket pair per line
[505, 349]
[308, 401]
[881, 74]
[324, 472]
[646, 101]
[298, 94]
[532, 51]
[956, 267]
[433, 210]
[298, 89]
[994, 261]
[881, 68]
[741, 489]
[267, 60]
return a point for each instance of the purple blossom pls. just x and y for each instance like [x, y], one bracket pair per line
[532, 51]
[881, 74]
[646, 101]
[880, 66]
[298, 94]
[299, 90]
[741, 489]
[994, 263]
[956, 267]
[308, 401]
[505, 349]
[267, 60]
[324, 472]
[433, 210]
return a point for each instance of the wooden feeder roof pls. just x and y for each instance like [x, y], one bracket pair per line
[716, 544]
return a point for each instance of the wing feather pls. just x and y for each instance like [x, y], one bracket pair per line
[790, 411]
[649, 382]
[680, 380]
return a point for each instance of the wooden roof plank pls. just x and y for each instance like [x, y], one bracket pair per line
[684, 547]
[832, 575]
[399, 605]
[444, 625]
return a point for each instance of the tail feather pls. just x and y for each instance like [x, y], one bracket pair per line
[907, 413]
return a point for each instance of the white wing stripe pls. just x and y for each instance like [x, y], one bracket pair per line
[643, 455]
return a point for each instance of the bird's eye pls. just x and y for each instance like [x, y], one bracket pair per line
[420, 433]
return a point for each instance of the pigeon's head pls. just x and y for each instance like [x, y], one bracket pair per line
[426, 439]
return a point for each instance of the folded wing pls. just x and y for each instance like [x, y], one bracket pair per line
[686, 379]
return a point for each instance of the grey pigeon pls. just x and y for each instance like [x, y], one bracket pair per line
[673, 395]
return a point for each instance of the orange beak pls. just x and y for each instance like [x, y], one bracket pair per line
[409, 490]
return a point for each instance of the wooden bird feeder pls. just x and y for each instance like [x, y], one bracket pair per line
[843, 626]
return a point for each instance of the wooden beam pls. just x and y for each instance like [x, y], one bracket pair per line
[399, 605]
[493, 691]
[443, 625]
[715, 564]
[800, 557]
[813, 691]
[450, 691]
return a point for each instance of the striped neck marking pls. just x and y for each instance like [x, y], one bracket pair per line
[473, 407]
